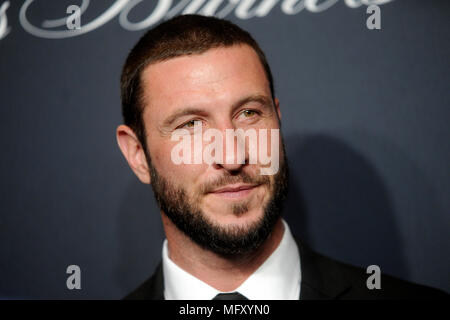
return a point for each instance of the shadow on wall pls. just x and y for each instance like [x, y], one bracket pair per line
[339, 206]
[140, 236]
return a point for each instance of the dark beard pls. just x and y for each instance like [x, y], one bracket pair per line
[229, 241]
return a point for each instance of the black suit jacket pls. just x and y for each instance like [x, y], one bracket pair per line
[323, 278]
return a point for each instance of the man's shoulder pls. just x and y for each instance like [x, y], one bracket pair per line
[151, 289]
[330, 278]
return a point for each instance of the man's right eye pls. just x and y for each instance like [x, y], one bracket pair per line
[189, 124]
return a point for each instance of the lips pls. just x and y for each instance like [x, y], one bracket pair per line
[233, 188]
[234, 191]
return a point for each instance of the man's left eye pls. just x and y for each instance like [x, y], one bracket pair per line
[248, 113]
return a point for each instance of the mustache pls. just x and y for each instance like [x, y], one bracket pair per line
[243, 177]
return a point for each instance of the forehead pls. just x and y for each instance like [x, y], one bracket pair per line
[212, 79]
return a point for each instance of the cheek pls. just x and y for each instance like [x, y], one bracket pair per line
[183, 174]
[271, 137]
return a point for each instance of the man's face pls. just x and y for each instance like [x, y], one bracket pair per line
[228, 208]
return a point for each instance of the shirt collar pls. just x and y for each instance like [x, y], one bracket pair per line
[278, 278]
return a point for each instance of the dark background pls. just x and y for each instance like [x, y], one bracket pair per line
[365, 118]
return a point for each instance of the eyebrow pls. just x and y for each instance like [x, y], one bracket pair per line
[181, 113]
[263, 100]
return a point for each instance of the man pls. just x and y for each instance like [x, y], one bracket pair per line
[222, 215]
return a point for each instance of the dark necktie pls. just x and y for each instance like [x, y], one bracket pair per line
[230, 296]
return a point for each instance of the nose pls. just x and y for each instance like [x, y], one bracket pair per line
[234, 150]
[229, 167]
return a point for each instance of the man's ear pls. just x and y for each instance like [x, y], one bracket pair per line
[134, 153]
[277, 107]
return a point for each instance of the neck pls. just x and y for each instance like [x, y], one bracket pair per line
[223, 274]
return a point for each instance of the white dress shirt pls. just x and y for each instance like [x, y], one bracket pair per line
[278, 278]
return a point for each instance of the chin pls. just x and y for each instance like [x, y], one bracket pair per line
[225, 217]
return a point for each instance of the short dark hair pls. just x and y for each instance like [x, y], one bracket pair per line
[179, 36]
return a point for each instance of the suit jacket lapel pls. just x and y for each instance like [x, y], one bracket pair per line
[151, 289]
[320, 279]
[157, 289]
